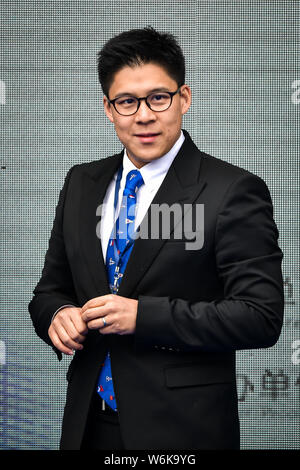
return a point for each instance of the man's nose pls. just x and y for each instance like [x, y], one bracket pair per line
[144, 113]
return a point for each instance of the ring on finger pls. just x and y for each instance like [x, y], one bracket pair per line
[104, 321]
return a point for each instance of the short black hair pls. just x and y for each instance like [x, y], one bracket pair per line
[137, 47]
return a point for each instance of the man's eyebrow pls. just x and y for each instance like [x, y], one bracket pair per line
[155, 90]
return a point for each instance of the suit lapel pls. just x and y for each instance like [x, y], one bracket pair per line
[182, 184]
[94, 185]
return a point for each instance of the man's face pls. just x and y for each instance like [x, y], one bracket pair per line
[147, 135]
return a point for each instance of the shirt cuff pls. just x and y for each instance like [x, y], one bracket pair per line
[60, 308]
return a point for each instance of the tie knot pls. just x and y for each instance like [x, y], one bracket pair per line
[134, 180]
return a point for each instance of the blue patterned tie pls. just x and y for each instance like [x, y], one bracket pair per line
[118, 252]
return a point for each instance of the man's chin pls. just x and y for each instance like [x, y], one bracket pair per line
[141, 159]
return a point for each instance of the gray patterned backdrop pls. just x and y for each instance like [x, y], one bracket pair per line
[243, 67]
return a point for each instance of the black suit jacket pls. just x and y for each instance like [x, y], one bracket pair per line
[174, 379]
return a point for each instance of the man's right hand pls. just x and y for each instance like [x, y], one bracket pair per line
[67, 330]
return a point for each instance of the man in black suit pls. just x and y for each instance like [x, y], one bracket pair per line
[194, 289]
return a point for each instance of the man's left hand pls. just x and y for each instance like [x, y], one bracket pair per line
[111, 314]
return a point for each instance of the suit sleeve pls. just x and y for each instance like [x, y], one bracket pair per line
[250, 314]
[55, 287]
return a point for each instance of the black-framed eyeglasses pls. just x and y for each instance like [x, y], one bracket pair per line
[158, 101]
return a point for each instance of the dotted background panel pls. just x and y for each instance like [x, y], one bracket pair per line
[243, 67]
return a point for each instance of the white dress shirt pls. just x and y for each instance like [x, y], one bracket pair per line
[153, 174]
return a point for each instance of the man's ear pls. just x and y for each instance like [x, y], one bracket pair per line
[107, 109]
[186, 98]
